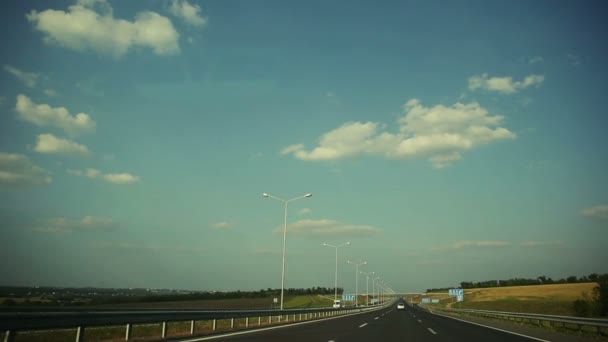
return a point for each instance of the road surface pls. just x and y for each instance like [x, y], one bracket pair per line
[388, 324]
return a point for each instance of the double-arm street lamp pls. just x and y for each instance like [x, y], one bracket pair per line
[285, 202]
[367, 286]
[374, 287]
[357, 280]
[336, 277]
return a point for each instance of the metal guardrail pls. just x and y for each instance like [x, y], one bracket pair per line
[14, 322]
[563, 321]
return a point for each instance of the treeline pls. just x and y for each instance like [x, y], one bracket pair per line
[592, 278]
[91, 296]
[263, 293]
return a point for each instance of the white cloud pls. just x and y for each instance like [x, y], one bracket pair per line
[191, 14]
[68, 225]
[146, 247]
[90, 25]
[466, 244]
[48, 143]
[120, 178]
[536, 59]
[30, 79]
[533, 244]
[18, 171]
[574, 60]
[265, 251]
[439, 133]
[305, 211]
[50, 93]
[115, 178]
[45, 115]
[322, 228]
[504, 85]
[599, 212]
[222, 225]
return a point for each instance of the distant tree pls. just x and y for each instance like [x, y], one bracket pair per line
[571, 279]
[600, 295]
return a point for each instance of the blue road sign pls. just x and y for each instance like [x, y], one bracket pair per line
[348, 297]
[459, 298]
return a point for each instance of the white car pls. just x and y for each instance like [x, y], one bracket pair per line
[337, 304]
[400, 306]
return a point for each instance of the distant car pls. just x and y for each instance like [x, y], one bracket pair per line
[400, 306]
[337, 304]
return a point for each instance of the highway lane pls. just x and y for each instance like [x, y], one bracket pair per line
[387, 324]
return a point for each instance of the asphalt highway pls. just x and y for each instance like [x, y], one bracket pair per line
[388, 324]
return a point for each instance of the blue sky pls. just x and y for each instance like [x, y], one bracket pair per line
[447, 142]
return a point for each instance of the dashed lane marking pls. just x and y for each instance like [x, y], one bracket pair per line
[432, 331]
[419, 321]
[362, 325]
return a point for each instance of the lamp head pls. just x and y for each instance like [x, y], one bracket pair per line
[308, 195]
[265, 194]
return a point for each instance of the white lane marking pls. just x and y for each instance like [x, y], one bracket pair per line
[419, 321]
[362, 325]
[432, 331]
[245, 332]
[376, 317]
[489, 327]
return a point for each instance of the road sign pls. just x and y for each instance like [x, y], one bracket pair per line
[459, 298]
[426, 300]
[434, 300]
[348, 297]
[456, 292]
[275, 300]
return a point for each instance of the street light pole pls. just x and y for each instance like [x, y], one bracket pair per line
[367, 286]
[374, 287]
[336, 276]
[357, 280]
[285, 202]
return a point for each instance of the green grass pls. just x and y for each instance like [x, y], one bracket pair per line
[309, 301]
[540, 306]
[142, 332]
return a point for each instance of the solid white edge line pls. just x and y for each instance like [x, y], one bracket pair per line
[362, 325]
[432, 331]
[251, 331]
[490, 327]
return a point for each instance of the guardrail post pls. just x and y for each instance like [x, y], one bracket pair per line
[9, 336]
[270, 319]
[246, 322]
[163, 333]
[259, 320]
[79, 334]
[214, 324]
[232, 323]
[128, 332]
[192, 327]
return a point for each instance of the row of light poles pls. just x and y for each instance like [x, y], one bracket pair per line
[285, 204]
